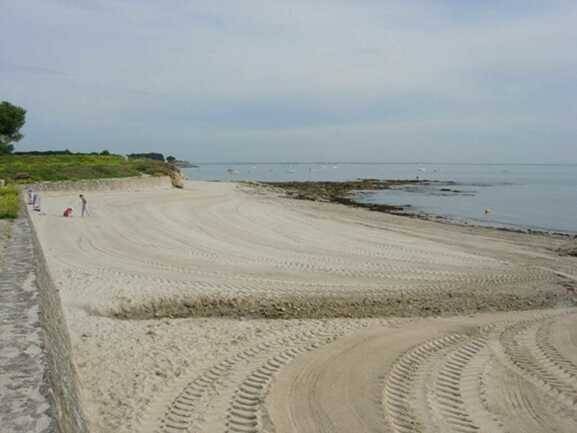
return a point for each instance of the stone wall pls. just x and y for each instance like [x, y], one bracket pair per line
[25, 396]
[124, 184]
[39, 388]
[62, 376]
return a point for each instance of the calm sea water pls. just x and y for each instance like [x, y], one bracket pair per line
[540, 197]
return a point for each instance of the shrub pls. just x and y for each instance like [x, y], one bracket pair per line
[34, 168]
[9, 202]
[9, 190]
[150, 155]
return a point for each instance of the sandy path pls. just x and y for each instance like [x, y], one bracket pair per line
[226, 259]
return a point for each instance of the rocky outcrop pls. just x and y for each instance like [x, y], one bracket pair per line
[177, 178]
[343, 191]
[184, 164]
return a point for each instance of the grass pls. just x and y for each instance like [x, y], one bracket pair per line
[17, 169]
[9, 202]
[34, 168]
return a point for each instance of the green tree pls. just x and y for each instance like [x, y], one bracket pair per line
[170, 158]
[12, 118]
[150, 155]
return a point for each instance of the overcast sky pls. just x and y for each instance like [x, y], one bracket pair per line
[296, 80]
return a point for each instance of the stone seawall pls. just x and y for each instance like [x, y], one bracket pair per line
[61, 374]
[25, 396]
[125, 184]
[39, 387]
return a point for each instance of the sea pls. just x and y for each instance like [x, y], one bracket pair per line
[518, 196]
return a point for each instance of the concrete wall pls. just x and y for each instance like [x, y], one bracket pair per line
[62, 375]
[125, 184]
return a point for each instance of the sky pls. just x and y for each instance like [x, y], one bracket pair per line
[301, 80]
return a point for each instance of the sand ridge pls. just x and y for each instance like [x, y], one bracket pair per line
[170, 296]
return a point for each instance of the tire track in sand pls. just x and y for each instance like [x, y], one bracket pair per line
[228, 396]
[507, 376]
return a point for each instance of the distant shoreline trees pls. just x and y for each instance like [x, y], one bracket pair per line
[61, 152]
[149, 155]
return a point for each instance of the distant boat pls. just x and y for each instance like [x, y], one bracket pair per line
[422, 170]
[232, 171]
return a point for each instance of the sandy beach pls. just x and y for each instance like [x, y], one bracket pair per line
[225, 307]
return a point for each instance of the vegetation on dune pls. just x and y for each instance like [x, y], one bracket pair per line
[26, 168]
[9, 202]
[58, 166]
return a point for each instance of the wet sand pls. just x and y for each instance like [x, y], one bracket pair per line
[225, 307]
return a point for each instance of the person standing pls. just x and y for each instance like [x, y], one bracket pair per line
[84, 206]
[30, 196]
[36, 201]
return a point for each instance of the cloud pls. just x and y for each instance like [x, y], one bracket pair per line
[8, 68]
[221, 72]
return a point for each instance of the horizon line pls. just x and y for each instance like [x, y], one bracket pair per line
[382, 163]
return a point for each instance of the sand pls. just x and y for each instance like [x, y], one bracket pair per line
[223, 307]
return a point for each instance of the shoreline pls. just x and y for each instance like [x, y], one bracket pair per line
[341, 192]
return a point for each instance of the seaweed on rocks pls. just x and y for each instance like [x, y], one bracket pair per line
[342, 191]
